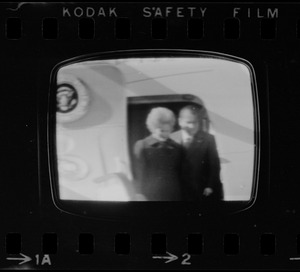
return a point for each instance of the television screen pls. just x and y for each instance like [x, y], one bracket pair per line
[155, 128]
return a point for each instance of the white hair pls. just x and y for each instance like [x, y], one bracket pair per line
[159, 116]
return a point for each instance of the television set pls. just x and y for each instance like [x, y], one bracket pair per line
[99, 108]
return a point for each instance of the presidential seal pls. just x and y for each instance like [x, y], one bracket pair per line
[71, 99]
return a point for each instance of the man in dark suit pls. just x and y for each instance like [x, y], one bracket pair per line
[201, 165]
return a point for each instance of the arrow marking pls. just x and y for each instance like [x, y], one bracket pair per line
[24, 259]
[169, 258]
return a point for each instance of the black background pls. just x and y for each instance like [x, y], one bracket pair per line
[26, 205]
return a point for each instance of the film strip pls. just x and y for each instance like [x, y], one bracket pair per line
[150, 135]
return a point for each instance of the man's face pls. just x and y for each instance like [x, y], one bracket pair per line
[189, 122]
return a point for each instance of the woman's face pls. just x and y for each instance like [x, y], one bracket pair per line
[162, 132]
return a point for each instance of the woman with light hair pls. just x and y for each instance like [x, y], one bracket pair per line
[158, 159]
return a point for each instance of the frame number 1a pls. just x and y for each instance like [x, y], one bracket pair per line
[42, 260]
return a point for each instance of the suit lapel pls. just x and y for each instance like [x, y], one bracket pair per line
[196, 148]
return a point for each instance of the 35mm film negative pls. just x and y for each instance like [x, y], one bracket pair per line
[150, 135]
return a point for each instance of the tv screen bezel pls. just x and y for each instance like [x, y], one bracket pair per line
[123, 210]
